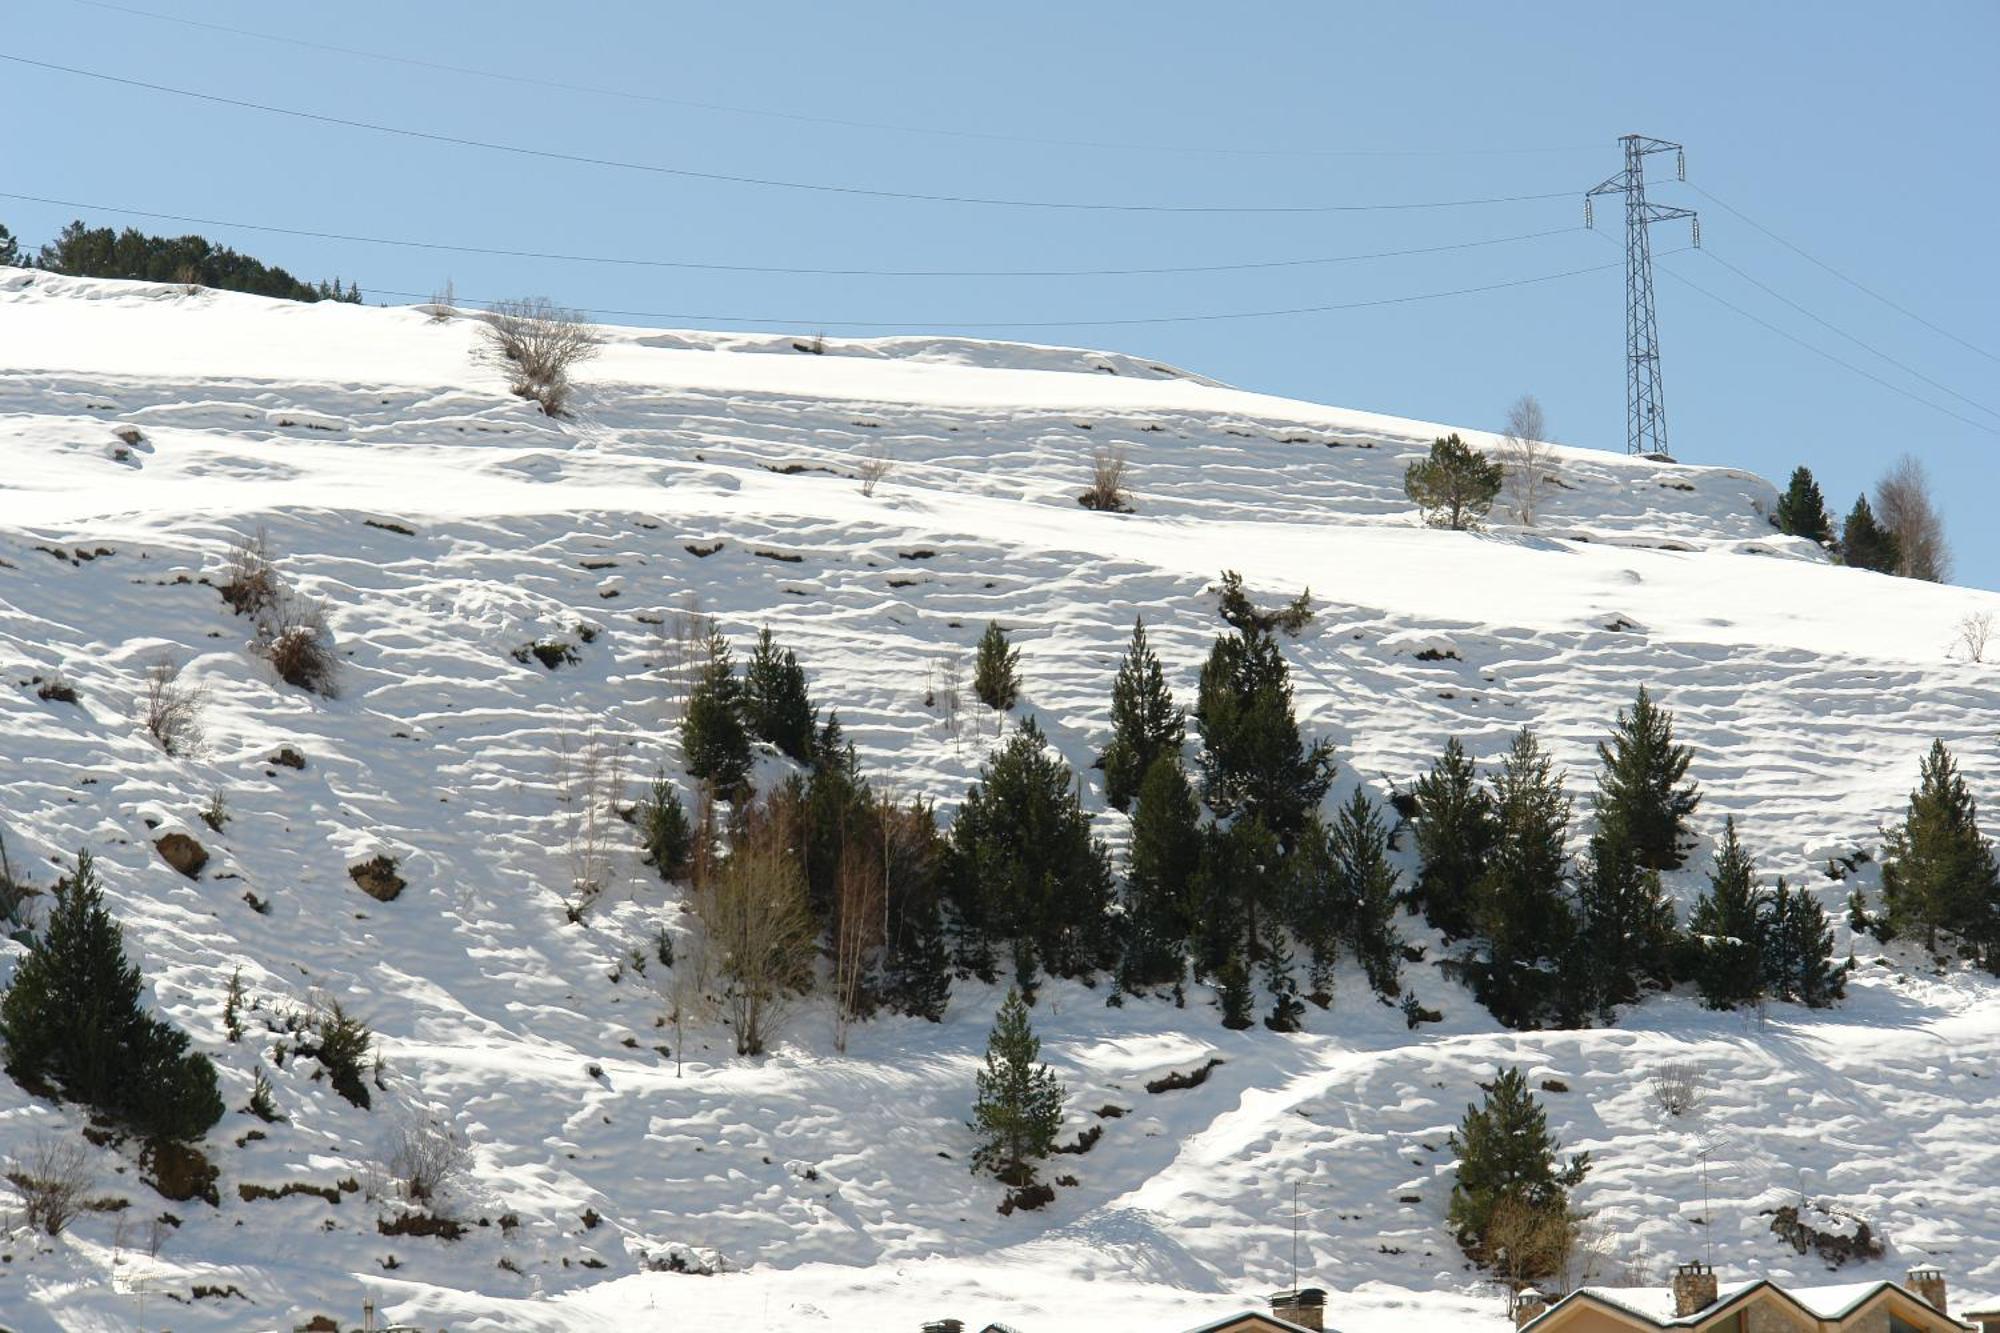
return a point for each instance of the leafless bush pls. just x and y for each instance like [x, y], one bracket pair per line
[537, 344]
[250, 581]
[1527, 459]
[54, 1177]
[1108, 469]
[684, 640]
[946, 691]
[1904, 506]
[1525, 1241]
[1677, 1088]
[444, 304]
[762, 931]
[1974, 634]
[425, 1157]
[188, 278]
[173, 708]
[875, 463]
[590, 779]
[293, 635]
[857, 929]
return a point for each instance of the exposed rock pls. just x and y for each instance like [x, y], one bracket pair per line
[377, 878]
[183, 854]
[289, 757]
[1835, 1234]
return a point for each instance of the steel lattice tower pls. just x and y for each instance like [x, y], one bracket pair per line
[1645, 405]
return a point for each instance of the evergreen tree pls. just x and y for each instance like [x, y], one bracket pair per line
[1252, 756]
[1866, 544]
[1802, 510]
[73, 1021]
[1798, 950]
[1159, 888]
[1242, 895]
[1455, 486]
[1232, 993]
[99, 252]
[10, 250]
[776, 705]
[1286, 1008]
[1024, 868]
[1625, 925]
[1455, 834]
[1522, 911]
[917, 970]
[663, 823]
[1019, 1106]
[1938, 873]
[1642, 788]
[1507, 1155]
[995, 675]
[1145, 721]
[1359, 843]
[714, 743]
[1728, 926]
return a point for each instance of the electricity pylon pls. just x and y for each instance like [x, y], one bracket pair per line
[1645, 404]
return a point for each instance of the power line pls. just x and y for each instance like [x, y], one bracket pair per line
[583, 159]
[1858, 286]
[499, 252]
[706, 318]
[773, 113]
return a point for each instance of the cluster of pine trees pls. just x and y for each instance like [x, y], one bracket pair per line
[100, 252]
[1900, 534]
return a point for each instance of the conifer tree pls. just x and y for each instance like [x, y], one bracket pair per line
[917, 971]
[1798, 950]
[1242, 894]
[1455, 833]
[73, 1021]
[1506, 1155]
[1938, 873]
[776, 706]
[1159, 888]
[995, 671]
[1360, 846]
[1728, 926]
[663, 822]
[1253, 758]
[1802, 509]
[1232, 993]
[1454, 487]
[1019, 1105]
[1625, 924]
[1286, 1009]
[1522, 911]
[10, 250]
[1642, 787]
[714, 743]
[1145, 721]
[1866, 544]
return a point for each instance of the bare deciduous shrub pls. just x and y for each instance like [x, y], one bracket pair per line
[188, 278]
[444, 303]
[294, 637]
[173, 708]
[684, 638]
[538, 344]
[758, 922]
[873, 464]
[1975, 632]
[1904, 506]
[1527, 459]
[250, 581]
[1525, 1241]
[54, 1177]
[425, 1157]
[590, 779]
[1677, 1088]
[1108, 470]
[857, 932]
[946, 691]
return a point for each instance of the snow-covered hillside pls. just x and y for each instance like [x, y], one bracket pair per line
[448, 526]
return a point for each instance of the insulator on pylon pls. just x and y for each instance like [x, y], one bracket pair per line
[1695, 226]
[1681, 162]
[1588, 220]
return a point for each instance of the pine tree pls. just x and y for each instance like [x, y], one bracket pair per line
[1506, 1155]
[917, 971]
[10, 250]
[1286, 1009]
[73, 1020]
[663, 823]
[776, 705]
[1642, 787]
[995, 675]
[1455, 834]
[1802, 510]
[1522, 911]
[1242, 895]
[1160, 885]
[714, 743]
[1938, 873]
[1866, 544]
[1798, 950]
[1019, 1106]
[1232, 993]
[1455, 486]
[1253, 758]
[1728, 926]
[1145, 721]
[1359, 843]
[1625, 924]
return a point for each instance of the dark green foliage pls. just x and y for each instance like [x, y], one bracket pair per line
[10, 250]
[1938, 874]
[776, 706]
[73, 1022]
[261, 1103]
[343, 1045]
[1728, 926]
[1455, 486]
[916, 975]
[1232, 993]
[1145, 721]
[838, 809]
[1798, 950]
[1252, 758]
[1160, 885]
[1802, 510]
[663, 824]
[1507, 1155]
[1643, 787]
[1239, 613]
[1242, 895]
[1455, 833]
[996, 678]
[1024, 868]
[1866, 544]
[1018, 1109]
[1627, 937]
[1522, 910]
[87, 252]
[1365, 893]
[1286, 1008]
[714, 742]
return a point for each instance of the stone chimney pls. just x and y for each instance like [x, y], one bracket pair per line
[945, 1326]
[1694, 1288]
[1305, 1307]
[1529, 1305]
[1927, 1283]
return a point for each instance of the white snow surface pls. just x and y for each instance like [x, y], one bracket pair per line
[832, 1189]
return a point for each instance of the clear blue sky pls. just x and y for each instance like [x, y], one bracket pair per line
[1860, 133]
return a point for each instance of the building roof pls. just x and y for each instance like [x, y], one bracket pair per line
[1656, 1304]
[1254, 1321]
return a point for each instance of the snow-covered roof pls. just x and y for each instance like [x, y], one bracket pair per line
[1656, 1304]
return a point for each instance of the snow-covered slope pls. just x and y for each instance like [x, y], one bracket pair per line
[448, 525]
